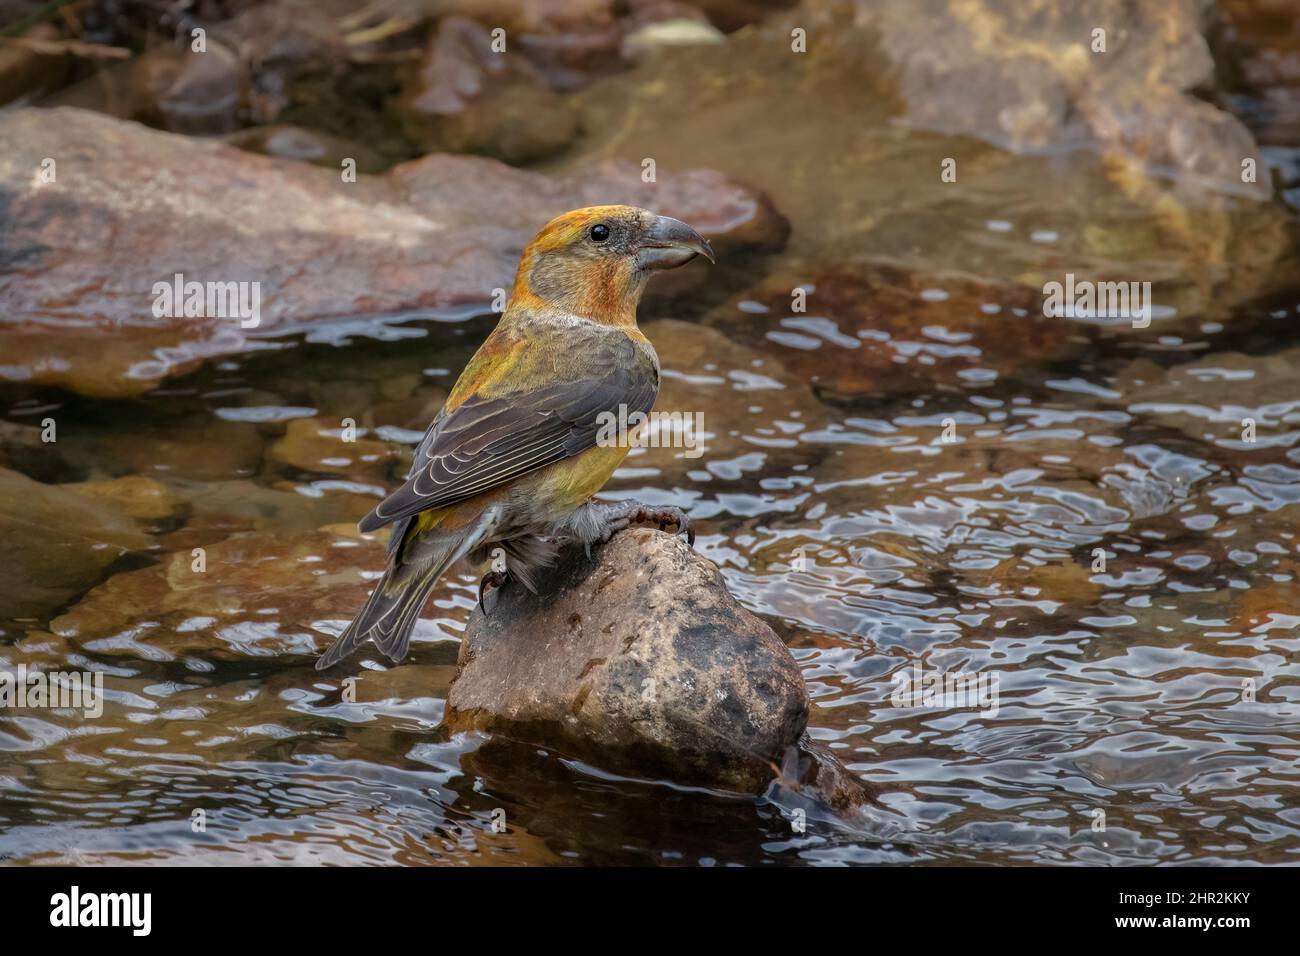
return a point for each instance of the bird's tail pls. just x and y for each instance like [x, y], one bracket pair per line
[394, 606]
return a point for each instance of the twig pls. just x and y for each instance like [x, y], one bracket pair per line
[94, 51]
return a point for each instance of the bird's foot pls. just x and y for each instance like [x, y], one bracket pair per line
[633, 512]
[493, 579]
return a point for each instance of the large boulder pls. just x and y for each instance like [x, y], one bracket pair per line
[639, 661]
[129, 207]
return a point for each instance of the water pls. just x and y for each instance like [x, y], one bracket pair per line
[918, 470]
[1121, 692]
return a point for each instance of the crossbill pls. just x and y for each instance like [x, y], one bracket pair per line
[514, 458]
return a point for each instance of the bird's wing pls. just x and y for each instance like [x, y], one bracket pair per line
[489, 440]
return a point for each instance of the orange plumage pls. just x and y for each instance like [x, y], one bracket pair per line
[513, 459]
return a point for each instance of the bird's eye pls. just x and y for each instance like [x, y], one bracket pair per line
[599, 232]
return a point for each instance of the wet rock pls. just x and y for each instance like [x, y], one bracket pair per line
[308, 146]
[1212, 398]
[189, 447]
[198, 94]
[639, 661]
[269, 61]
[289, 506]
[55, 543]
[133, 495]
[813, 774]
[855, 331]
[470, 98]
[21, 448]
[438, 234]
[873, 191]
[27, 69]
[320, 445]
[669, 33]
[259, 594]
[570, 42]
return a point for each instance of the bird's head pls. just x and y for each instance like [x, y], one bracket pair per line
[595, 262]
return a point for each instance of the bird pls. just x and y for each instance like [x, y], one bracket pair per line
[521, 446]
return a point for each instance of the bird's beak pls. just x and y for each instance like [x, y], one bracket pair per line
[670, 243]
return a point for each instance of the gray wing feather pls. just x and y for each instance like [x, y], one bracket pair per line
[484, 443]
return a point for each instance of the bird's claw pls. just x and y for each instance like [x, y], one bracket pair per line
[666, 515]
[494, 579]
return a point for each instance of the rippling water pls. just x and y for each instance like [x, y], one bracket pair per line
[917, 472]
[871, 544]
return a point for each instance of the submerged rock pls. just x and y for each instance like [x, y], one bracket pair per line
[320, 445]
[133, 495]
[130, 207]
[639, 661]
[875, 330]
[257, 594]
[1237, 401]
[55, 543]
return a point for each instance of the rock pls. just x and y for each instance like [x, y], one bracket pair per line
[876, 330]
[873, 192]
[570, 42]
[55, 543]
[21, 446]
[308, 146]
[639, 661]
[1211, 398]
[192, 446]
[817, 777]
[440, 233]
[470, 98]
[26, 69]
[260, 594]
[686, 32]
[133, 495]
[1053, 86]
[319, 445]
[289, 506]
[198, 94]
